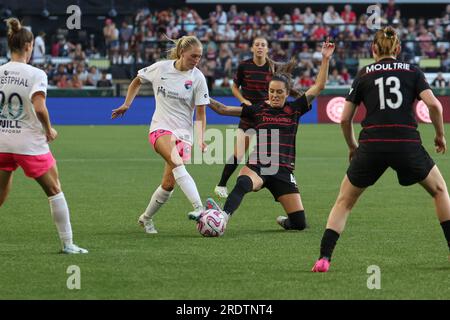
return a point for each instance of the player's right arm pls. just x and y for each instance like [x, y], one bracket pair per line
[133, 90]
[38, 101]
[222, 109]
[237, 93]
[237, 83]
[435, 109]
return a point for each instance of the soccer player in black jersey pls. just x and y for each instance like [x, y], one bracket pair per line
[251, 84]
[271, 165]
[389, 137]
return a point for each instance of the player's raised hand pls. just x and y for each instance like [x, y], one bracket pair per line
[119, 111]
[328, 49]
[440, 144]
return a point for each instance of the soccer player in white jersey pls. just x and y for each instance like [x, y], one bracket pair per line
[179, 88]
[25, 130]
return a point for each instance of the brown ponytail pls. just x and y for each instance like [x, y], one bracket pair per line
[17, 35]
[386, 41]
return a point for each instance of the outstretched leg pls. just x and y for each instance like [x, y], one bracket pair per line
[166, 147]
[247, 181]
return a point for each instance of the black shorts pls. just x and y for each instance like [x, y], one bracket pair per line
[246, 124]
[279, 184]
[411, 167]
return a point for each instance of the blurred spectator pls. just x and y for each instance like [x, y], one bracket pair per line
[331, 16]
[335, 79]
[305, 80]
[104, 82]
[439, 81]
[348, 16]
[111, 35]
[390, 11]
[64, 82]
[309, 17]
[39, 46]
[75, 82]
[92, 77]
[78, 54]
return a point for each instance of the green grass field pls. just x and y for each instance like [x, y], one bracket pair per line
[108, 175]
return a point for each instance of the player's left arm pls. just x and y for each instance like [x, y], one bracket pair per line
[322, 76]
[222, 109]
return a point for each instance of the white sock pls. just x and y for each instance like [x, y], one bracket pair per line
[187, 185]
[159, 197]
[61, 217]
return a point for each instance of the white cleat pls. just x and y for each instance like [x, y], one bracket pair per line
[147, 224]
[221, 192]
[195, 215]
[73, 249]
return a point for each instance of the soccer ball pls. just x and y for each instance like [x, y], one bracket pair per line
[211, 223]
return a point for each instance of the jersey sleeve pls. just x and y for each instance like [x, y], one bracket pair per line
[148, 74]
[421, 83]
[40, 83]
[238, 78]
[354, 95]
[201, 94]
[249, 111]
[301, 105]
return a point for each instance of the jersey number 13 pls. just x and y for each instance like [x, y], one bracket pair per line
[393, 83]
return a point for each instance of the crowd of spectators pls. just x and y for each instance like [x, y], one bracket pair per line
[227, 35]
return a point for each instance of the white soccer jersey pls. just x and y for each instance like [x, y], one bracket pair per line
[176, 94]
[20, 130]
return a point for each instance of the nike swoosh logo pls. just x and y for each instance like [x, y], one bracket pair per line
[162, 78]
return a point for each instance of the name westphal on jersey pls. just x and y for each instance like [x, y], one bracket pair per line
[388, 89]
[21, 132]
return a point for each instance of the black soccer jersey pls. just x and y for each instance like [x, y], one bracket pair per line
[388, 89]
[253, 80]
[276, 130]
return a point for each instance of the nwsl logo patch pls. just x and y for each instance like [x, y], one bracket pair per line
[188, 84]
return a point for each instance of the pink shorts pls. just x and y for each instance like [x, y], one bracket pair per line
[33, 166]
[184, 148]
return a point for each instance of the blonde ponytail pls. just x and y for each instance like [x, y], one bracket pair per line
[181, 45]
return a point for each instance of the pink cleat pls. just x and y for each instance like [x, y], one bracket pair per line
[322, 265]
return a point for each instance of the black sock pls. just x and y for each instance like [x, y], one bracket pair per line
[329, 239]
[228, 170]
[243, 185]
[296, 220]
[446, 228]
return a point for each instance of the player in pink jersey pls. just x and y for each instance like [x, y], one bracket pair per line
[26, 130]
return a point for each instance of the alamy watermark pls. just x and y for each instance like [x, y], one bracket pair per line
[74, 20]
[74, 280]
[374, 280]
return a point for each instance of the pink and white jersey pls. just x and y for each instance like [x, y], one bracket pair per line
[176, 94]
[20, 130]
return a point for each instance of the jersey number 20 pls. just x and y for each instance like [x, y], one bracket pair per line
[394, 87]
